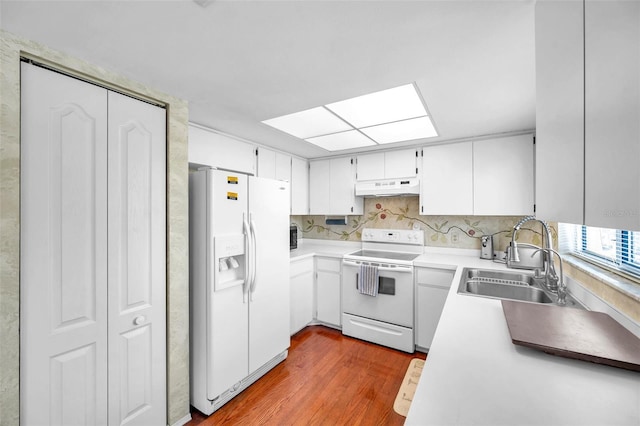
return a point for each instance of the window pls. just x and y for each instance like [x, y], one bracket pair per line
[613, 248]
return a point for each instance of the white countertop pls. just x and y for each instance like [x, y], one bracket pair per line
[309, 247]
[474, 375]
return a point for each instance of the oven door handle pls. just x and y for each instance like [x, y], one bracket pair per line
[397, 268]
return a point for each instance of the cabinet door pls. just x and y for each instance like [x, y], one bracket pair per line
[283, 167]
[328, 290]
[214, 149]
[431, 300]
[370, 166]
[447, 180]
[400, 164]
[343, 197]
[432, 289]
[560, 111]
[301, 289]
[612, 108]
[328, 297]
[503, 176]
[266, 163]
[319, 187]
[137, 265]
[63, 250]
[299, 186]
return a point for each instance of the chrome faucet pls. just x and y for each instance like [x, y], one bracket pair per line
[562, 288]
[550, 276]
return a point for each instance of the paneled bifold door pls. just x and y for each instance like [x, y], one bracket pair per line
[92, 256]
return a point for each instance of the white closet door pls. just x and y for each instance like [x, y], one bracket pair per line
[63, 253]
[137, 289]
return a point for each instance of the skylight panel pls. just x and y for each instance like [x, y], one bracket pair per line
[343, 140]
[386, 116]
[399, 103]
[312, 122]
[405, 130]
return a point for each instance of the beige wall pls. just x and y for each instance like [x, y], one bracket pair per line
[11, 49]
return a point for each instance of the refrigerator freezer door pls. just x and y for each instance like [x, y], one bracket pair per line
[269, 307]
[227, 313]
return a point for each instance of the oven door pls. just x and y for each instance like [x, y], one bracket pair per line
[394, 302]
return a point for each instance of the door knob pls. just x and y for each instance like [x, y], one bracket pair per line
[139, 320]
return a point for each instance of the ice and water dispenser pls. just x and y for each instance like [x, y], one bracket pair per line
[229, 261]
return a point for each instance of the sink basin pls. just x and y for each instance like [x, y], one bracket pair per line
[500, 277]
[508, 291]
[508, 285]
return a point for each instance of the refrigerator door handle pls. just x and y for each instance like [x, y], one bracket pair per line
[247, 258]
[252, 227]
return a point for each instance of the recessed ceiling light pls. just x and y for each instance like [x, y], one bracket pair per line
[312, 122]
[387, 116]
[342, 140]
[405, 130]
[381, 107]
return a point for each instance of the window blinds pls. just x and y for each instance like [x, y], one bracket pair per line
[614, 248]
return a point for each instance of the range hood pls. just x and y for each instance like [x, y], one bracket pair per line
[388, 187]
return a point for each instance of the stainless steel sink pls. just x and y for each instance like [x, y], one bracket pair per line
[507, 291]
[508, 285]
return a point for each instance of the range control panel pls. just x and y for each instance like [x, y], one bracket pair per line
[397, 236]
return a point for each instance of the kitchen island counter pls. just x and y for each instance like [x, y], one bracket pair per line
[475, 375]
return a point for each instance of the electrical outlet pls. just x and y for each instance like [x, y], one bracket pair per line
[455, 237]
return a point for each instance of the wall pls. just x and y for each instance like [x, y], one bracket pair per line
[440, 231]
[11, 49]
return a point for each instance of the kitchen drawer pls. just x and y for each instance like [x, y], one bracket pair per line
[328, 264]
[299, 267]
[435, 276]
[382, 333]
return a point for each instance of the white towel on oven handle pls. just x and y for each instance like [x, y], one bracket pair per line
[368, 280]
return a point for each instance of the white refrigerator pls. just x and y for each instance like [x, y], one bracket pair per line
[239, 282]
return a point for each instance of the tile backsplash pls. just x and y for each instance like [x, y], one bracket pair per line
[440, 231]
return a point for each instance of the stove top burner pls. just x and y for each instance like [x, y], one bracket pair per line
[379, 254]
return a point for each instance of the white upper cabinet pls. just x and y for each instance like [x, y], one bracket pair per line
[503, 176]
[587, 108]
[447, 180]
[214, 149]
[299, 186]
[387, 165]
[331, 187]
[273, 165]
[266, 160]
[370, 166]
[401, 164]
[612, 111]
[492, 177]
[559, 111]
[283, 167]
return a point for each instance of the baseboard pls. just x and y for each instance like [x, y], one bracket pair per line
[183, 421]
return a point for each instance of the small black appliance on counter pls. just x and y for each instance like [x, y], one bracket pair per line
[293, 237]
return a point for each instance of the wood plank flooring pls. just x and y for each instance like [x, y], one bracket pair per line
[327, 379]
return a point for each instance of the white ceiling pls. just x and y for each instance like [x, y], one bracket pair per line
[241, 62]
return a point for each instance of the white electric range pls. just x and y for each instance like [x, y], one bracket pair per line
[386, 318]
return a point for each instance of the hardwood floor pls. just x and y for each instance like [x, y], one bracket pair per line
[327, 379]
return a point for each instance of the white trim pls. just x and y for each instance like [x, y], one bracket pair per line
[183, 421]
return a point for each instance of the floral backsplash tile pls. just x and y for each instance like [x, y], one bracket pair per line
[440, 231]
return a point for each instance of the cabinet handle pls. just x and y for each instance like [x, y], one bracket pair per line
[139, 320]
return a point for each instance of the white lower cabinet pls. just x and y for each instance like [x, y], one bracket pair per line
[92, 254]
[301, 292]
[328, 290]
[432, 287]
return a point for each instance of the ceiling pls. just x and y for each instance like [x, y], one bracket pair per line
[240, 62]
